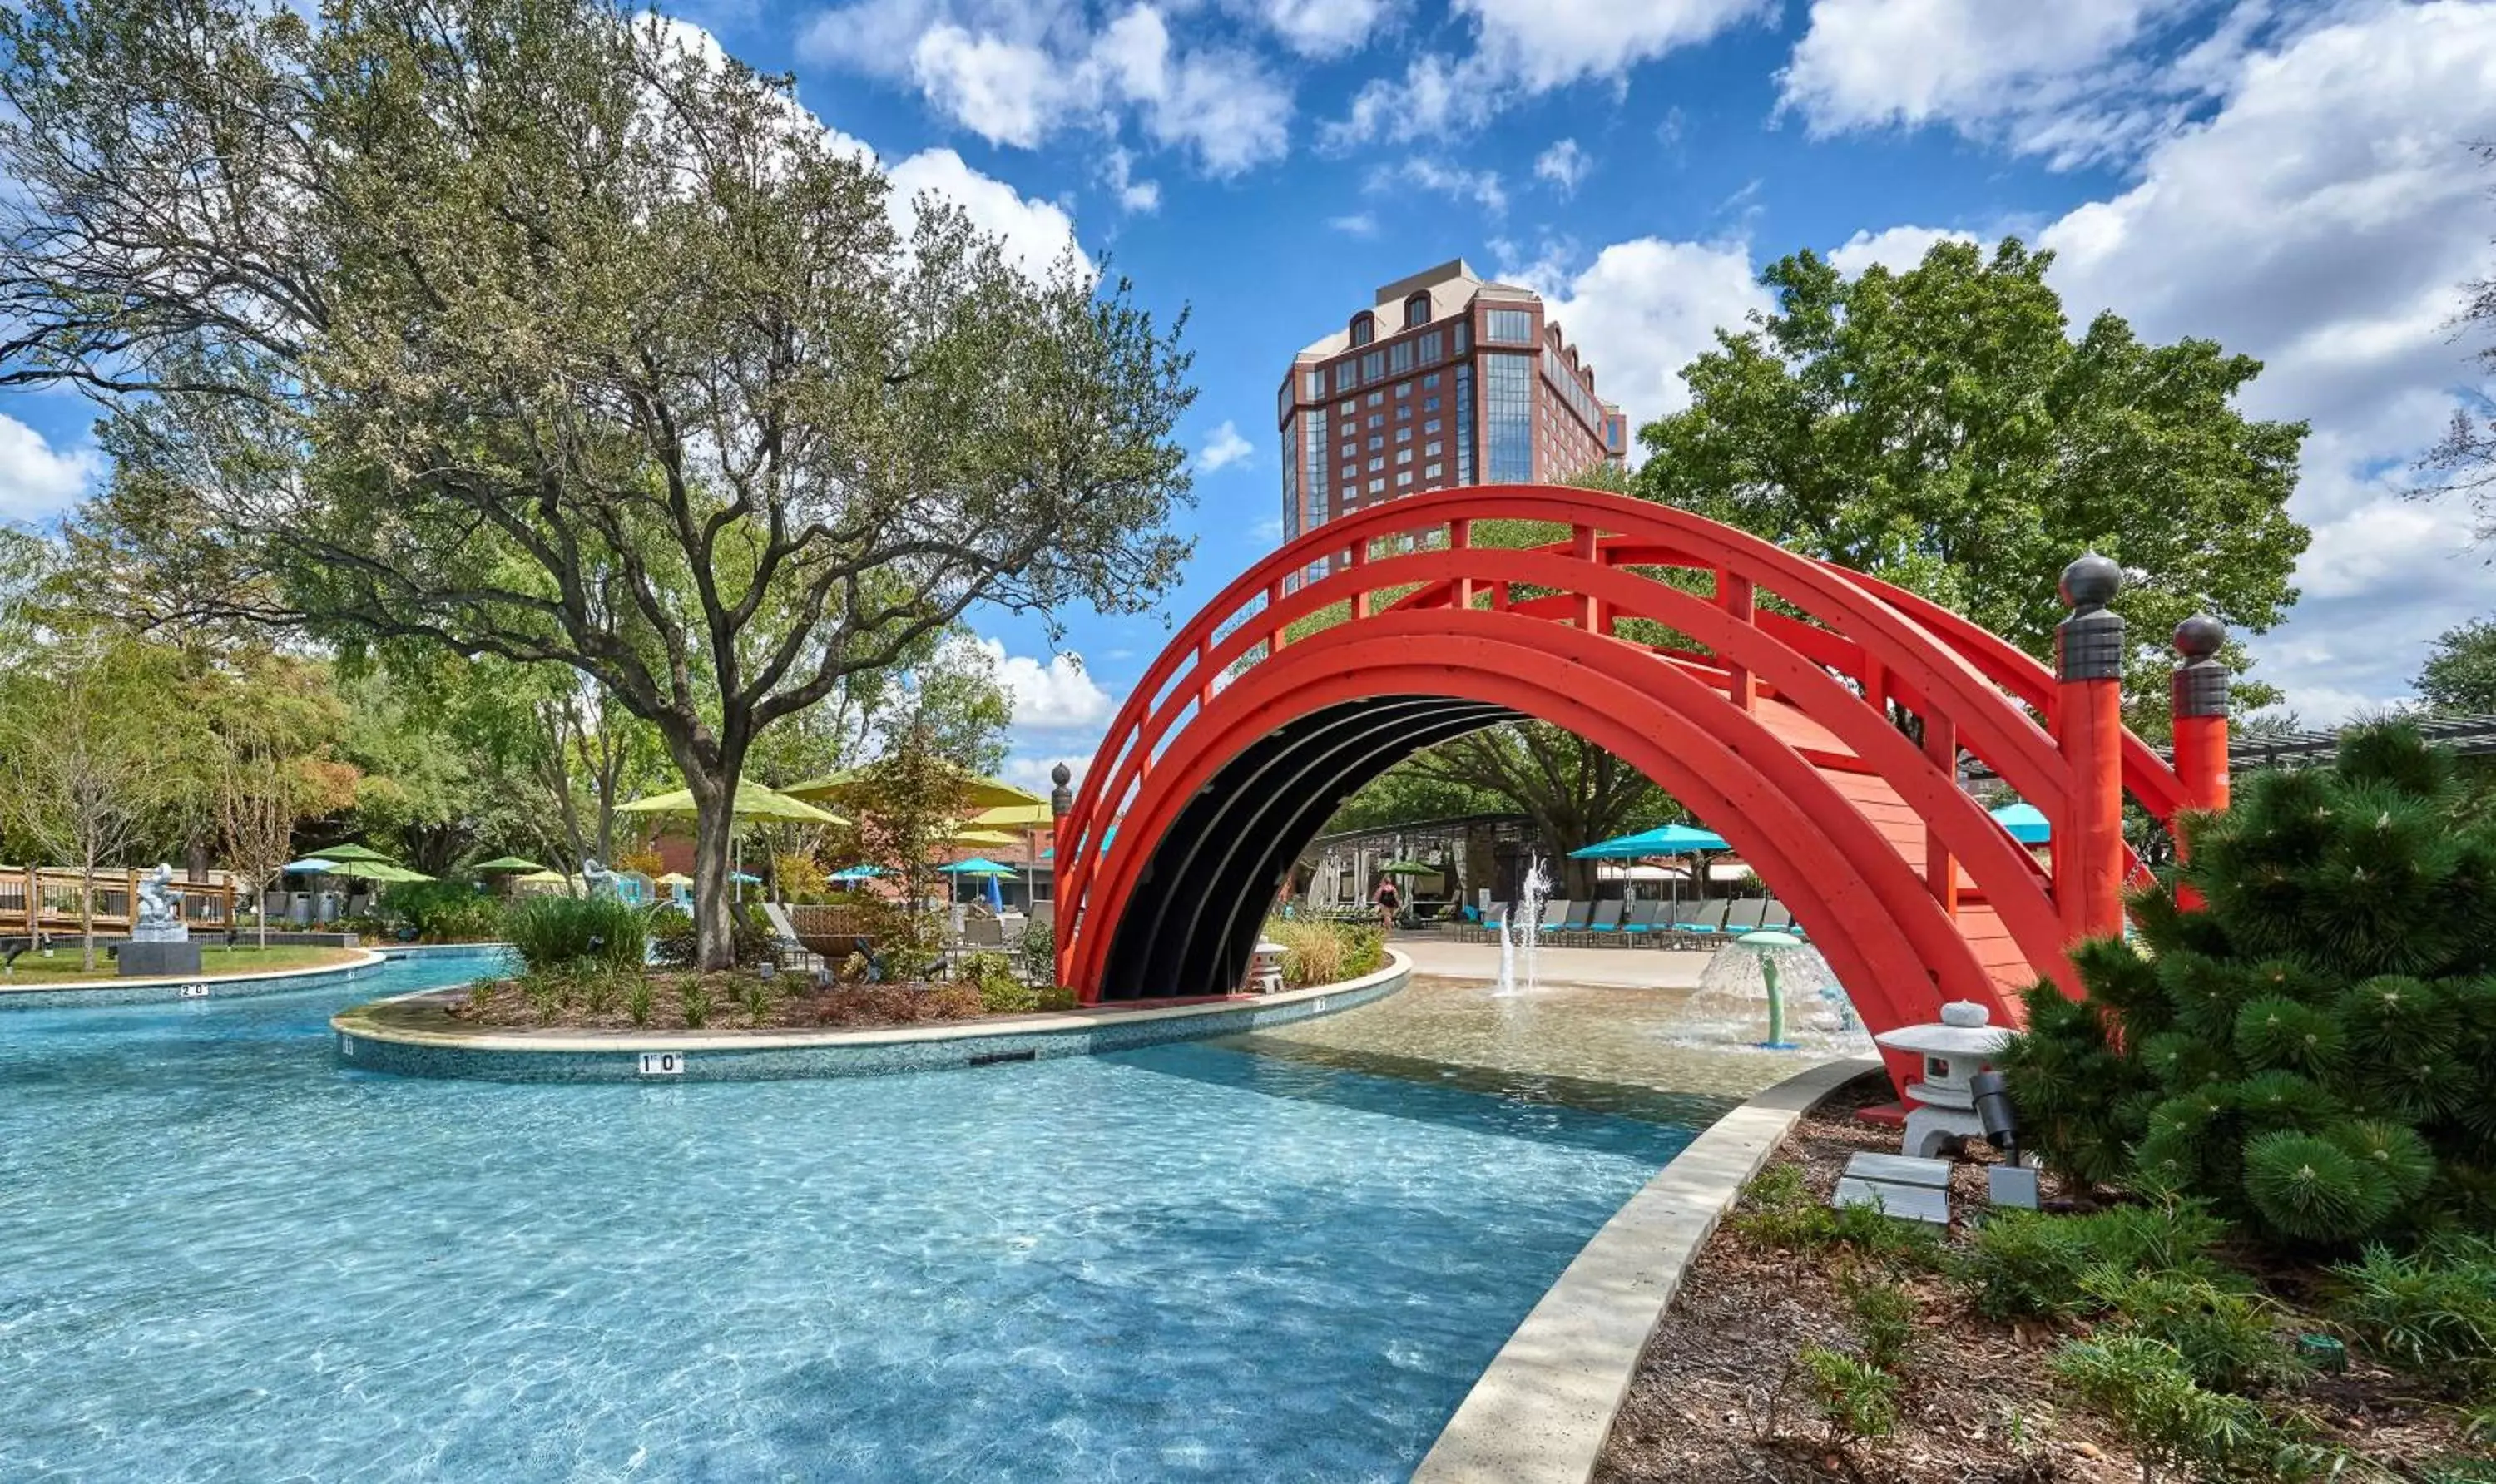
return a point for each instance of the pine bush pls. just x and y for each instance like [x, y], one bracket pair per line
[2312, 1051]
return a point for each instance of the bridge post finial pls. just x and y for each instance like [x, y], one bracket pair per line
[2197, 698]
[2089, 652]
[1061, 798]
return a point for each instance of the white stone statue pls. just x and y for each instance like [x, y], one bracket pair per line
[596, 879]
[159, 917]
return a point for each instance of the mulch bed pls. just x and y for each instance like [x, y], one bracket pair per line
[786, 1003]
[1713, 1399]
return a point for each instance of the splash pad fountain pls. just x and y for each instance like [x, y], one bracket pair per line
[1522, 932]
[1770, 991]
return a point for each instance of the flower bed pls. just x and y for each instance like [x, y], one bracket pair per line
[625, 1000]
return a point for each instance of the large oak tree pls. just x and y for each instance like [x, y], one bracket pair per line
[537, 329]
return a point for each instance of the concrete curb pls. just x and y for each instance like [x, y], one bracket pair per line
[730, 1056]
[1543, 1409]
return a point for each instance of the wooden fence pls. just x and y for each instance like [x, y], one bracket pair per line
[37, 899]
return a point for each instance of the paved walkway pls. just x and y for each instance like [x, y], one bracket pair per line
[1607, 967]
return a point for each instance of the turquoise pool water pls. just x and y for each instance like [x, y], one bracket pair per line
[224, 1257]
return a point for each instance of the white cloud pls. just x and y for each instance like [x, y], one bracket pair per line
[1480, 187]
[1049, 694]
[1544, 44]
[1025, 770]
[1360, 224]
[37, 480]
[1117, 172]
[1005, 92]
[1895, 248]
[2074, 82]
[1527, 47]
[1644, 309]
[1564, 165]
[1017, 75]
[1034, 233]
[1223, 448]
[1324, 28]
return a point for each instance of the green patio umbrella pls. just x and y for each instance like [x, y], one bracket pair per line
[1409, 868]
[508, 863]
[753, 802]
[350, 852]
[379, 872]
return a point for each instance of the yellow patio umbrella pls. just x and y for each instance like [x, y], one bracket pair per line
[978, 794]
[1014, 816]
[754, 801]
[983, 839]
[673, 879]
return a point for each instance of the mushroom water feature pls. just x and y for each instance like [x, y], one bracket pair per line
[1773, 992]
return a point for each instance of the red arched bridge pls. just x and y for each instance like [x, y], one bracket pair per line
[1647, 632]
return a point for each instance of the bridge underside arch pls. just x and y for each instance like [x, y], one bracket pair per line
[1208, 836]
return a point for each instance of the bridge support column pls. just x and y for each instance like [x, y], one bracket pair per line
[1061, 912]
[2200, 700]
[2088, 729]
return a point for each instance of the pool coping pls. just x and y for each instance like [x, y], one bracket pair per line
[1545, 1406]
[766, 1055]
[147, 989]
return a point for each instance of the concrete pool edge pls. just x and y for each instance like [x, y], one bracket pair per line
[710, 1056]
[1543, 1409]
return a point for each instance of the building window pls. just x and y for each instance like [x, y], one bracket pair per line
[1464, 421]
[1508, 327]
[1400, 357]
[1403, 435]
[1612, 433]
[1417, 310]
[1432, 449]
[1365, 329]
[1431, 346]
[1508, 411]
[1403, 391]
[1313, 471]
[1378, 487]
[1377, 441]
[1430, 425]
[1347, 376]
[1376, 464]
[1378, 419]
[1348, 470]
[1429, 381]
[1464, 336]
[1377, 398]
[1404, 480]
[1291, 479]
[1429, 404]
[1432, 470]
[1347, 409]
[1313, 385]
[1403, 456]
[1373, 365]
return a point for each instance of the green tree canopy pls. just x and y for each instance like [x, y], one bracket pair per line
[1940, 428]
[2460, 675]
[538, 329]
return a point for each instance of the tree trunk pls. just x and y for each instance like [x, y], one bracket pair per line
[86, 918]
[714, 830]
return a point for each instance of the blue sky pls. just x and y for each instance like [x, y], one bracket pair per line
[2289, 178]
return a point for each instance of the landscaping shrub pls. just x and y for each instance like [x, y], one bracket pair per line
[1321, 952]
[693, 998]
[2223, 1335]
[2026, 1264]
[553, 933]
[2315, 1051]
[1001, 992]
[1037, 947]
[759, 996]
[444, 911]
[1780, 1211]
[1857, 1398]
[2144, 1387]
[673, 940]
[2432, 1313]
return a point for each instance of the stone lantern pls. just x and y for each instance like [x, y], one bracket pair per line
[1954, 1051]
[1265, 975]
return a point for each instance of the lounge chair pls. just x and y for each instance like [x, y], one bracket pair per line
[787, 949]
[1702, 920]
[1640, 922]
[983, 933]
[1744, 917]
[1564, 917]
[1778, 917]
[1606, 923]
